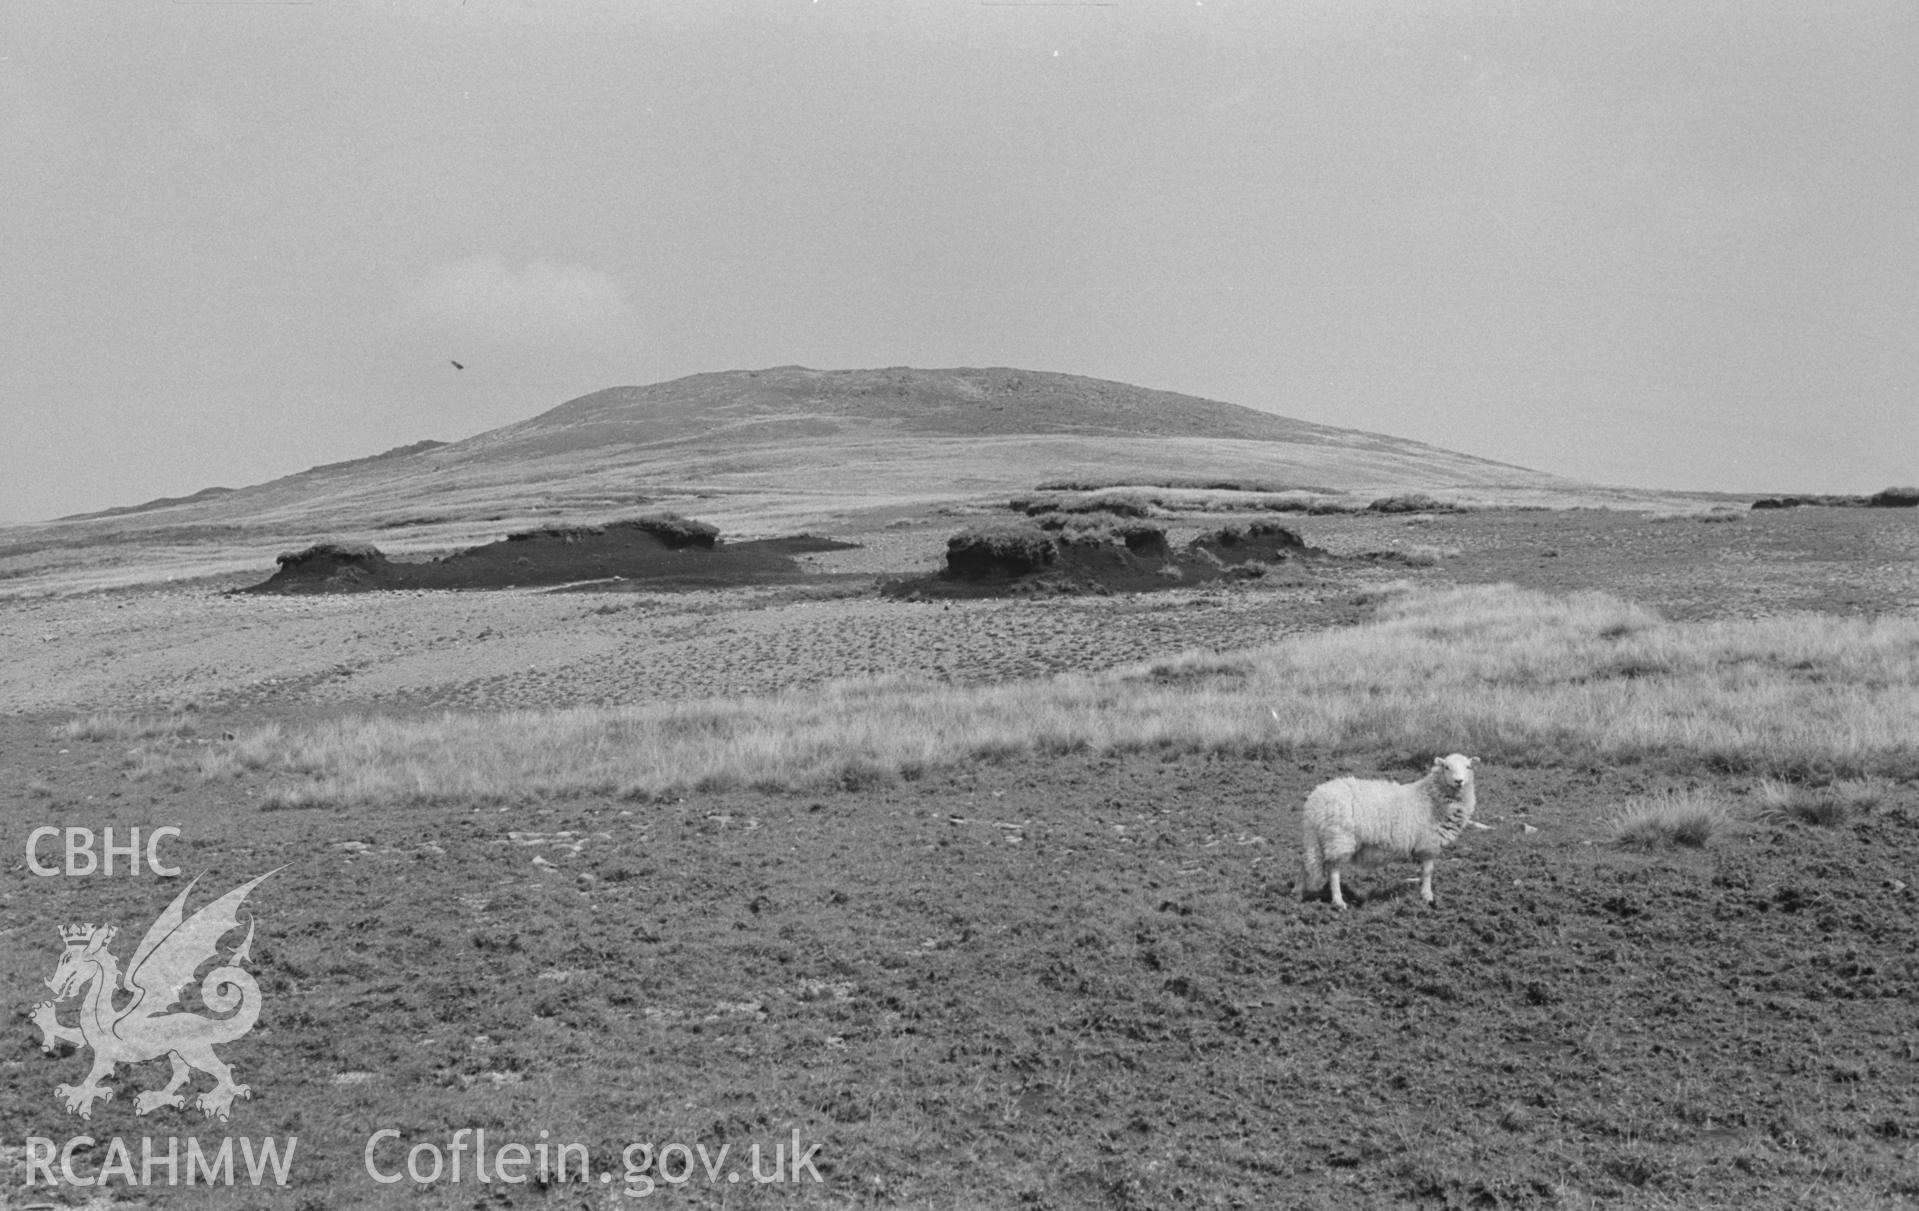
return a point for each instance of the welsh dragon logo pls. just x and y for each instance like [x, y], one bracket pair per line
[152, 1024]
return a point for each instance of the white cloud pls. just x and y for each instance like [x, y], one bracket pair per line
[542, 303]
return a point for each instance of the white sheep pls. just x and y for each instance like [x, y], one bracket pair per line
[1367, 821]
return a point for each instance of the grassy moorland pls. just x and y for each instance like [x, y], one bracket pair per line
[1030, 944]
[1512, 676]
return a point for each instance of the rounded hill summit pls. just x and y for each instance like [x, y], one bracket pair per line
[966, 402]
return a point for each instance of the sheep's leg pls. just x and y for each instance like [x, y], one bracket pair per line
[1312, 872]
[1426, 880]
[1332, 876]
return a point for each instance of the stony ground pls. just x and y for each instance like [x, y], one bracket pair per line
[535, 648]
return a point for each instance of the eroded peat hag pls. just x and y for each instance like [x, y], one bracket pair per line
[1105, 556]
[661, 551]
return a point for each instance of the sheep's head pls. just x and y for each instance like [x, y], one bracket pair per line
[1454, 773]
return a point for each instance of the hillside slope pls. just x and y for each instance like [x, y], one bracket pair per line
[774, 451]
[850, 435]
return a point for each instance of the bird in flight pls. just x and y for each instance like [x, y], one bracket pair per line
[456, 365]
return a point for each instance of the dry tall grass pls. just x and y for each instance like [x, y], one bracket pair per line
[1506, 674]
[109, 725]
[1664, 820]
[1828, 806]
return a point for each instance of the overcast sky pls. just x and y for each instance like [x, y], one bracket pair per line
[1664, 244]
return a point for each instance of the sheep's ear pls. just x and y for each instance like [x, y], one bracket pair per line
[1472, 761]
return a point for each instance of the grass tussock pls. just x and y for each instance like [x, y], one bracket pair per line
[1505, 674]
[1824, 807]
[1688, 818]
[107, 725]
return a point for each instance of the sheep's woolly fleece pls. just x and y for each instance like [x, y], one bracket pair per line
[1370, 821]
